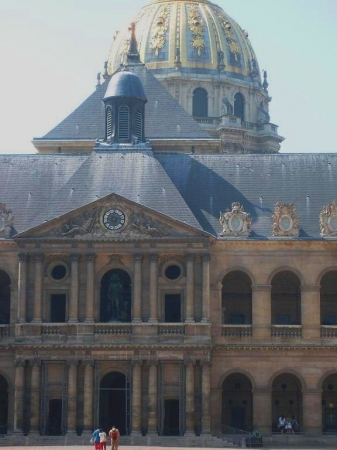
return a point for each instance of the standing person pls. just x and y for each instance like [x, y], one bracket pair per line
[294, 424]
[281, 423]
[102, 439]
[96, 439]
[114, 435]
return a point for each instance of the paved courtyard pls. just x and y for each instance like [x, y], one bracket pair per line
[130, 447]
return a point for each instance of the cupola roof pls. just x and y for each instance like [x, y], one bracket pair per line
[125, 84]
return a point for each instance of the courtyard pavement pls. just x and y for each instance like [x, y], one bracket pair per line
[139, 447]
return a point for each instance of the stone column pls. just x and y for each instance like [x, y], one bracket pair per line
[261, 307]
[312, 412]
[35, 397]
[137, 288]
[90, 257]
[189, 288]
[18, 395]
[206, 397]
[22, 287]
[311, 311]
[189, 386]
[205, 287]
[72, 396]
[136, 397]
[153, 288]
[88, 396]
[153, 398]
[38, 258]
[74, 288]
[262, 410]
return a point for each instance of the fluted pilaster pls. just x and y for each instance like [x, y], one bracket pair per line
[153, 287]
[90, 258]
[205, 287]
[136, 397]
[22, 287]
[189, 288]
[153, 397]
[74, 288]
[137, 288]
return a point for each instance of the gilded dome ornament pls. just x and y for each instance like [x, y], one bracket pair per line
[197, 29]
[159, 31]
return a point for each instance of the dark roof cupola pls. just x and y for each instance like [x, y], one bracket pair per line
[124, 109]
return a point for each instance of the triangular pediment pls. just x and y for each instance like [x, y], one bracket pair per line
[112, 218]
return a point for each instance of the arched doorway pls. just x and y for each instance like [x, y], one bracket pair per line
[286, 299]
[114, 402]
[237, 402]
[5, 298]
[329, 404]
[329, 298]
[286, 399]
[115, 296]
[237, 299]
[3, 405]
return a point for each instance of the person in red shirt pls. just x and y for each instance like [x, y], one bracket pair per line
[114, 435]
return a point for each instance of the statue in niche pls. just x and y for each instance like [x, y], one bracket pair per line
[115, 295]
[227, 108]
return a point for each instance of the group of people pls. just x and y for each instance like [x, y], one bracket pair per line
[287, 425]
[99, 438]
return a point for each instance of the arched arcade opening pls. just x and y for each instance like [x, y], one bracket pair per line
[286, 399]
[237, 402]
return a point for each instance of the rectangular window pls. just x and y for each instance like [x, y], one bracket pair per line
[173, 308]
[58, 308]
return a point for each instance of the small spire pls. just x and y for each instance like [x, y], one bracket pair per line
[105, 74]
[133, 55]
[265, 82]
[98, 80]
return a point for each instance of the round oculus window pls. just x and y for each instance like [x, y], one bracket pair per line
[286, 223]
[114, 219]
[235, 223]
[172, 272]
[58, 272]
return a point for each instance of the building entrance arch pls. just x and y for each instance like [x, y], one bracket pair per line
[114, 402]
[286, 399]
[237, 402]
[329, 404]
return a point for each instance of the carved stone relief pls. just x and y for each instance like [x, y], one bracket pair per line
[235, 222]
[285, 221]
[6, 221]
[328, 219]
[112, 221]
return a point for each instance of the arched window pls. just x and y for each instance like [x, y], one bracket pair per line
[123, 123]
[108, 122]
[329, 298]
[286, 299]
[237, 299]
[239, 106]
[139, 124]
[200, 103]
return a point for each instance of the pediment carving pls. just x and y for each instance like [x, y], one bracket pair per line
[236, 222]
[285, 220]
[113, 220]
[6, 221]
[328, 219]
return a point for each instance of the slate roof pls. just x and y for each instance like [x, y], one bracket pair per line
[211, 183]
[164, 117]
[39, 188]
[188, 188]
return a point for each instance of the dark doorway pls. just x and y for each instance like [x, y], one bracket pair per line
[113, 401]
[171, 418]
[115, 305]
[173, 308]
[55, 417]
[58, 308]
[5, 297]
[238, 417]
[330, 420]
[3, 405]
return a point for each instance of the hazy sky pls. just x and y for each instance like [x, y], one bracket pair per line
[51, 51]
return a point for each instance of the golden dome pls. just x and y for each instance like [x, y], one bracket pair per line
[192, 36]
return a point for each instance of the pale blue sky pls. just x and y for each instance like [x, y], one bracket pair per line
[51, 51]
